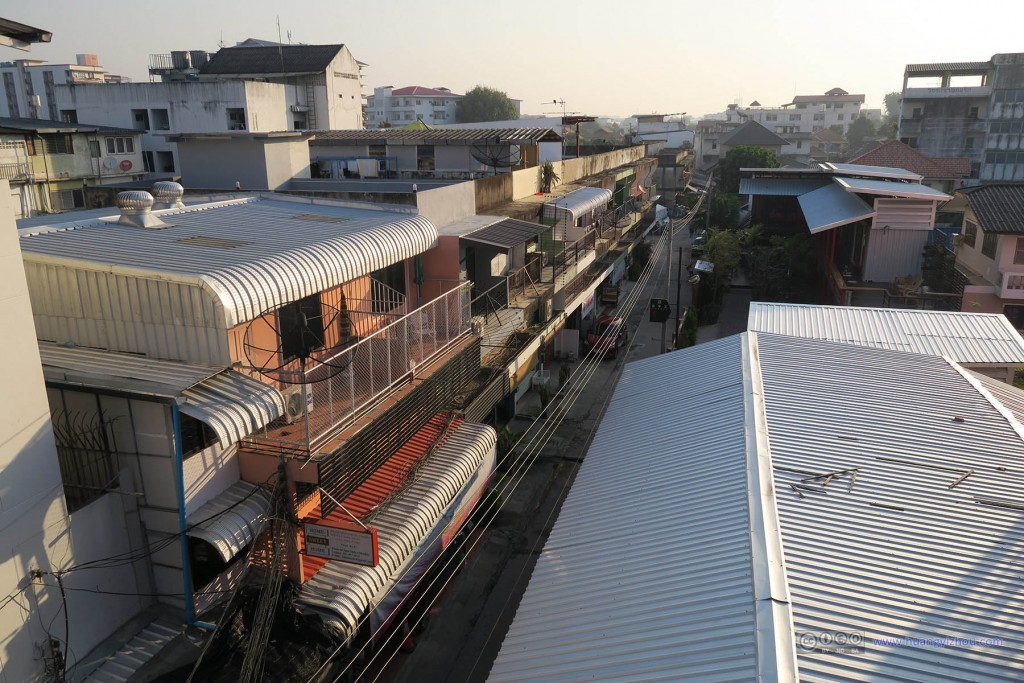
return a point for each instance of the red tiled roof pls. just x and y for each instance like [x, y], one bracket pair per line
[420, 90]
[826, 135]
[895, 154]
[380, 485]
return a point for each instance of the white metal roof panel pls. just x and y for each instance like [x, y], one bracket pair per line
[232, 404]
[909, 548]
[342, 592]
[891, 188]
[830, 207]
[647, 574]
[872, 171]
[582, 200]
[781, 187]
[254, 254]
[232, 520]
[970, 338]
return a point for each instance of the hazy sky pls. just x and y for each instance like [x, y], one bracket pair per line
[601, 57]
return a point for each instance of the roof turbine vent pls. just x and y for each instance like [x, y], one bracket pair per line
[167, 194]
[136, 209]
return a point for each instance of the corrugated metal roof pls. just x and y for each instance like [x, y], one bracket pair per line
[648, 574]
[904, 550]
[895, 189]
[24, 125]
[950, 67]
[998, 206]
[783, 187]
[872, 171]
[286, 250]
[832, 206]
[1008, 395]
[582, 200]
[751, 133]
[507, 233]
[438, 136]
[971, 338]
[231, 403]
[276, 59]
[232, 520]
[340, 592]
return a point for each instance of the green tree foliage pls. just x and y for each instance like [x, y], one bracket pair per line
[485, 104]
[725, 210]
[744, 156]
[638, 260]
[724, 248]
[782, 268]
[891, 115]
[859, 132]
[548, 177]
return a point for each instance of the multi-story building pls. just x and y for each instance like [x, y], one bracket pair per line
[48, 163]
[399, 106]
[29, 86]
[970, 109]
[805, 114]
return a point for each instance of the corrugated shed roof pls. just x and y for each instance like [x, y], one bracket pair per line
[342, 592]
[232, 520]
[783, 187]
[507, 233]
[277, 59]
[871, 171]
[971, 338]
[582, 200]
[830, 207]
[1008, 395]
[941, 67]
[910, 548]
[232, 404]
[648, 574]
[420, 90]
[895, 189]
[751, 133]
[263, 252]
[895, 154]
[999, 207]
[438, 136]
[25, 125]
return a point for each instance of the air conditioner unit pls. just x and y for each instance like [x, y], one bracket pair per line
[294, 410]
[478, 328]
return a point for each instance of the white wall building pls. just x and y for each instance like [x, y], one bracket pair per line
[29, 85]
[399, 106]
[805, 114]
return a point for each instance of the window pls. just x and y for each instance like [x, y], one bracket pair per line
[394, 277]
[69, 116]
[815, 129]
[972, 113]
[301, 325]
[440, 115]
[916, 113]
[819, 117]
[65, 200]
[771, 117]
[86, 453]
[419, 102]
[424, 157]
[799, 144]
[58, 144]
[378, 150]
[1015, 314]
[1018, 252]
[120, 146]
[841, 117]
[794, 117]
[988, 244]
[94, 149]
[969, 143]
[801, 106]
[161, 119]
[909, 142]
[147, 161]
[714, 145]
[165, 162]
[140, 119]
[970, 236]
[236, 119]
[196, 435]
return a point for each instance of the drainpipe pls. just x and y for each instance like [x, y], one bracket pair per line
[46, 170]
[186, 569]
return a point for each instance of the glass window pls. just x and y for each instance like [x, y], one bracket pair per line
[424, 157]
[988, 245]
[970, 233]
[1018, 252]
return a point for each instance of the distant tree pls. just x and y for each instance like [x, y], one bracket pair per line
[837, 128]
[860, 130]
[725, 210]
[485, 104]
[744, 156]
[891, 118]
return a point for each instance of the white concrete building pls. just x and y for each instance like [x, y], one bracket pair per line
[29, 86]
[805, 114]
[399, 106]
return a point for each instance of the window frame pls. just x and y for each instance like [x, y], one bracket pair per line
[989, 245]
[970, 234]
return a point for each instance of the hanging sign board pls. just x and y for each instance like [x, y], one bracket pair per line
[348, 544]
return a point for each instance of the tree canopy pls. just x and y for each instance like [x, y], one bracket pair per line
[859, 131]
[891, 118]
[744, 156]
[485, 104]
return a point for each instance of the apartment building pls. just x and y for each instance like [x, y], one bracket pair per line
[29, 86]
[399, 106]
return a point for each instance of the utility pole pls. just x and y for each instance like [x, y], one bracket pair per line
[679, 284]
[668, 282]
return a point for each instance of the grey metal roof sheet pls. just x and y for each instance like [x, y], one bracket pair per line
[942, 67]
[971, 338]
[277, 59]
[895, 189]
[832, 206]
[280, 250]
[507, 233]
[999, 207]
[648, 573]
[341, 592]
[232, 519]
[26, 125]
[232, 404]
[752, 133]
[436, 136]
[785, 187]
[872, 171]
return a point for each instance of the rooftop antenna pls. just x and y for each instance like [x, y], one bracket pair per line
[221, 43]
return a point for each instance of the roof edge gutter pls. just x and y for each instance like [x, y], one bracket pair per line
[773, 608]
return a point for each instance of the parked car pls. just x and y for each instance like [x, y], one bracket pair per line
[700, 240]
[608, 335]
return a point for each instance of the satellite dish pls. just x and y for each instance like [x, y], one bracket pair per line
[497, 156]
[294, 345]
[110, 163]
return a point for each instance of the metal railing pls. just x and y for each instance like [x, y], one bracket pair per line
[13, 171]
[346, 385]
[521, 279]
[494, 299]
[569, 256]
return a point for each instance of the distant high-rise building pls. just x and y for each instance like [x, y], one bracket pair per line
[28, 85]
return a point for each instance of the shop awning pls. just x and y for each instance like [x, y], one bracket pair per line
[233, 404]
[232, 520]
[832, 206]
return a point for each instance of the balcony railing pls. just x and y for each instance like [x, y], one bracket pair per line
[346, 385]
[13, 171]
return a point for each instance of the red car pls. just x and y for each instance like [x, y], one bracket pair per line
[608, 335]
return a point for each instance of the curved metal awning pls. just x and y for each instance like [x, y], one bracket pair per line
[579, 201]
[233, 404]
[232, 520]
